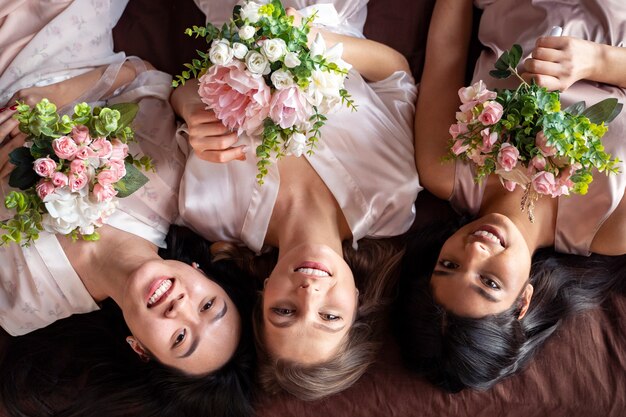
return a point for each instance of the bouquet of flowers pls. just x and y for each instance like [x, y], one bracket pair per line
[525, 138]
[260, 77]
[70, 170]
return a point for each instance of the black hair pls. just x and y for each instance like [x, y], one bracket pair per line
[456, 352]
[82, 366]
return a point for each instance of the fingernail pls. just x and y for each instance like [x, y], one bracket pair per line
[3, 109]
[13, 107]
[245, 149]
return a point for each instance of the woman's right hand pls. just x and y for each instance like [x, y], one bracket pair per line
[209, 138]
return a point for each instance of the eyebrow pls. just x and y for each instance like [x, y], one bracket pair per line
[320, 326]
[476, 288]
[196, 341]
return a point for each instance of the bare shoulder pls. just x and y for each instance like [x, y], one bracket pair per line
[611, 237]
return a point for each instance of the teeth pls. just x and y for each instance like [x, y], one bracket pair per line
[488, 235]
[165, 285]
[312, 271]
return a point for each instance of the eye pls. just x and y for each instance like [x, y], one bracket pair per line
[329, 317]
[208, 304]
[490, 283]
[448, 264]
[180, 337]
[285, 312]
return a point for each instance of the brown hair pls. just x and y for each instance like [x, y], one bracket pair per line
[375, 266]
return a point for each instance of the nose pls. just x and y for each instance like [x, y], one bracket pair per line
[176, 305]
[477, 249]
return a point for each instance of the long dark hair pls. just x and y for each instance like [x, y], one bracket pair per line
[81, 366]
[457, 352]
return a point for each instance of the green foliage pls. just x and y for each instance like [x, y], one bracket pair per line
[132, 181]
[25, 225]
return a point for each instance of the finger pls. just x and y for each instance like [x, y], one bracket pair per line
[547, 54]
[549, 82]
[200, 114]
[536, 66]
[209, 129]
[227, 155]
[214, 143]
[7, 113]
[553, 42]
[6, 128]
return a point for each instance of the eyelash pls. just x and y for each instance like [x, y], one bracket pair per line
[285, 312]
[180, 337]
[329, 317]
[490, 283]
[448, 264]
[209, 304]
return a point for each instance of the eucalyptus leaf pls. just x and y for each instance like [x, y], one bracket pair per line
[601, 111]
[131, 182]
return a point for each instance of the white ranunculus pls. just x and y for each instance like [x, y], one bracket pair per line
[274, 49]
[296, 145]
[282, 79]
[250, 11]
[246, 32]
[240, 50]
[220, 53]
[291, 60]
[257, 63]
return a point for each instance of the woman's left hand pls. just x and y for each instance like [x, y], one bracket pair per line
[557, 62]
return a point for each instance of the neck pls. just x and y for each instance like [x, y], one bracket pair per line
[104, 266]
[537, 234]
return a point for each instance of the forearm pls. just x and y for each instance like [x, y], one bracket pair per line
[373, 60]
[611, 61]
[438, 101]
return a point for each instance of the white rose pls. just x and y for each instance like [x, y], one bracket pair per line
[52, 225]
[246, 32]
[62, 204]
[220, 53]
[257, 63]
[292, 60]
[296, 145]
[274, 49]
[250, 11]
[240, 50]
[282, 79]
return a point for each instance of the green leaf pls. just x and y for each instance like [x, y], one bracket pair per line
[500, 74]
[601, 111]
[23, 177]
[616, 112]
[131, 182]
[576, 108]
[21, 156]
[128, 111]
[515, 54]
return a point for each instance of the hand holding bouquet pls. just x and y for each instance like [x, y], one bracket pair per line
[261, 78]
[525, 138]
[70, 170]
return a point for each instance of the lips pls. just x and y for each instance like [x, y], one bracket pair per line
[314, 269]
[159, 291]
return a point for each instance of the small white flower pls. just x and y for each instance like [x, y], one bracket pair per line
[291, 60]
[250, 11]
[274, 49]
[240, 50]
[246, 32]
[220, 53]
[257, 63]
[296, 145]
[323, 90]
[282, 79]
[318, 47]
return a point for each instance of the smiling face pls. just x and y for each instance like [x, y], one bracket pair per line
[483, 268]
[181, 317]
[309, 304]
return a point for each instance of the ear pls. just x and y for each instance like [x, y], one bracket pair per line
[138, 348]
[526, 296]
[265, 282]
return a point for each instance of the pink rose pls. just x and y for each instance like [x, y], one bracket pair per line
[45, 167]
[543, 182]
[491, 114]
[77, 166]
[289, 107]
[238, 99]
[458, 129]
[65, 147]
[458, 148]
[78, 181]
[44, 189]
[119, 167]
[467, 107]
[489, 139]
[102, 147]
[85, 152]
[542, 143]
[560, 189]
[59, 179]
[107, 177]
[104, 192]
[119, 151]
[476, 92]
[464, 117]
[539, 162]
[80, 134]
[507, 156]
